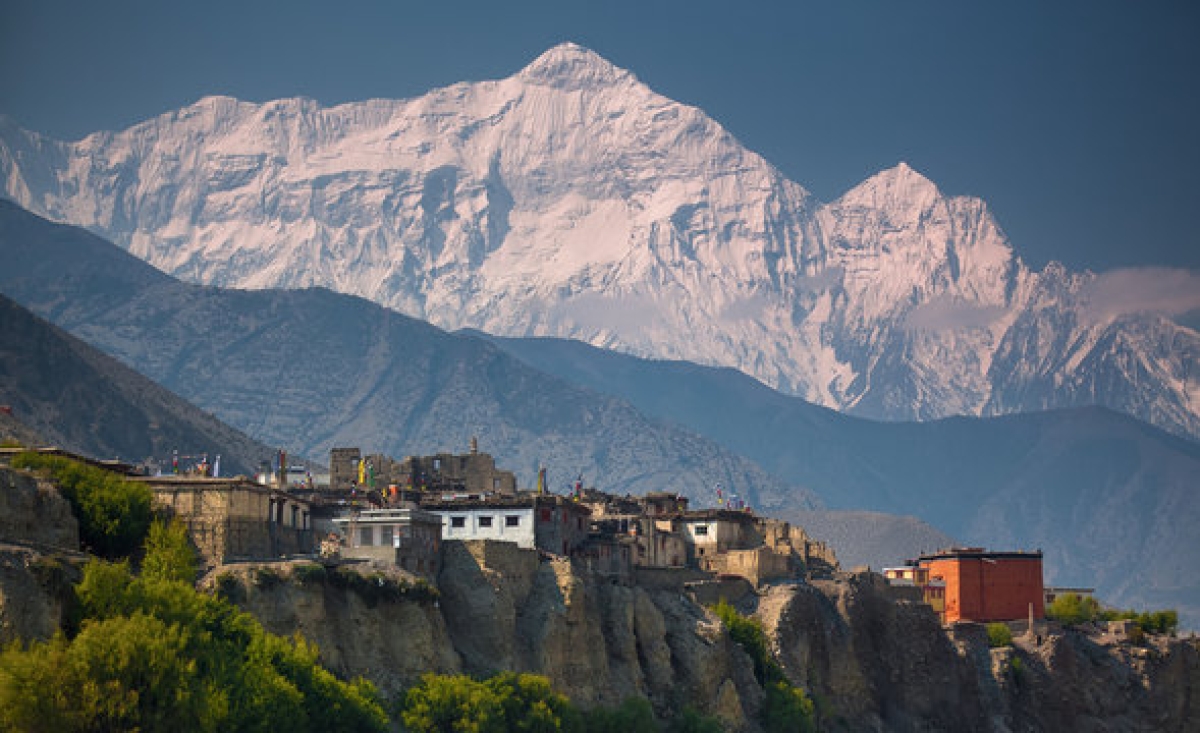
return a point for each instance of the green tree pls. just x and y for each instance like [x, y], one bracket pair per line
[153, 654]
[693, 721]
[633, 715]
[505, 702]
[1071, 609]
[169, 553]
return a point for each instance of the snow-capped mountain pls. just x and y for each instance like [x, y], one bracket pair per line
[571, 200]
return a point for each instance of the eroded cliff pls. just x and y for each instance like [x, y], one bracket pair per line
[870, 662]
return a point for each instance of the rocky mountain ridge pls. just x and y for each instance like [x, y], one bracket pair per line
[571, 200]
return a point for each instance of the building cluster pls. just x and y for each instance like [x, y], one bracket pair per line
[378, 509]
[401, 511]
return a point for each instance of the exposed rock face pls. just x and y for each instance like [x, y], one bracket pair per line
[600, 643]
[35, 593]
[879, 665]
[504, 608]
[869, 662]
[390, 643]
[37, 575]
[32, 510]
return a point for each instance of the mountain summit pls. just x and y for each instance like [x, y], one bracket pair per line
[572, 200]
[570, 66]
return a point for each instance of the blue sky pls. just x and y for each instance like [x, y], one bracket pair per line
[1077, 121]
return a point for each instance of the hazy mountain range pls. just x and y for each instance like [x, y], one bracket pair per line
[1109, 499]
[570, 200]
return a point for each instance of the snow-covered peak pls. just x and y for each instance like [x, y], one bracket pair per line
[571, 66]
[898, 187]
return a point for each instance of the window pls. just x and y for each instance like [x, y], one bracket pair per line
[385, 536]
[701, 530]
[512, 520]
[485, 521]
[365, 536]
[458, 522]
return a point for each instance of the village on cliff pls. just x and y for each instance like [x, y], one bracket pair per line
[374, 509]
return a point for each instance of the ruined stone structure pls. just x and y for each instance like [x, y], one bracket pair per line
[473, 473]
[343, 468]
[235, 519]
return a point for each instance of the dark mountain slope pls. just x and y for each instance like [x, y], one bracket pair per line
[73, 396]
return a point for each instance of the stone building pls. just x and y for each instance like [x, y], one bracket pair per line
[408, 537]
[234, 518]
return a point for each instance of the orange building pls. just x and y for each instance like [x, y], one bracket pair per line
[987, 586]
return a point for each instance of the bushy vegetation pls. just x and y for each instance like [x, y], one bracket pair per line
[505, 702]
[376, 587]
[1073, 609]
[169, 553]
[152, 654]
[114, 514]
[787, 708]
[999, 635]
[525, 702]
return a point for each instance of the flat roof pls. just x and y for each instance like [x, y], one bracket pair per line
[978, 553]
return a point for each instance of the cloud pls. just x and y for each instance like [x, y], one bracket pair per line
[945, 313]
[1170, 292]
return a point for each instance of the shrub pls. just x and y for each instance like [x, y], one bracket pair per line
[265, 578]
[505, 702]
[114, 514]
[377, 587]
[309, 573]
[634, 715]
[1016, 668]
[229, 588]
[693, 721]
[999, 635]
[787, 709]
[1071, 609]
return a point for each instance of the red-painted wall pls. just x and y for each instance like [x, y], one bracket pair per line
[990, 588]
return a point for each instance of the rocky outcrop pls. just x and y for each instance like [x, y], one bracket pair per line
[39, 558]
[391, 642]
[599, 642]
[32, 511]
[874, 664]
